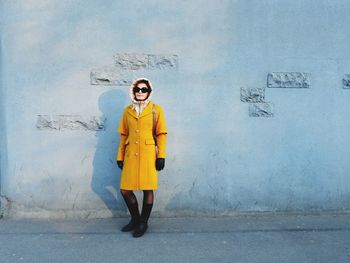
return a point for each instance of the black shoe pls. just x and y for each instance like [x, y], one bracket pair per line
[140, 229]
[131, 226]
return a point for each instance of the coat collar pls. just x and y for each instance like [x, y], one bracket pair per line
[146, 111]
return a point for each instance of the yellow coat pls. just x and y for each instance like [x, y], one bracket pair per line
[137, 147]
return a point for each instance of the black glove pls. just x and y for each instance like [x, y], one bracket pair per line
[160, 162]
[120, 164]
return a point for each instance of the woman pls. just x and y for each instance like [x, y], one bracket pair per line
[141, 153]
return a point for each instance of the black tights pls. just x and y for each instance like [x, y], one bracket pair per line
[131, 202]
[130, 197]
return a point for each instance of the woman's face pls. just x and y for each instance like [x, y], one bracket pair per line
[139, 95]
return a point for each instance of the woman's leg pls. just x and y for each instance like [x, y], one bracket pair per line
[148, 196]
[131, 202]
[147, 205]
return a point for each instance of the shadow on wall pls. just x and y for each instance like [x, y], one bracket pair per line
[106, 174]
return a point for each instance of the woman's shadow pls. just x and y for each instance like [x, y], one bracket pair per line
[106, 174]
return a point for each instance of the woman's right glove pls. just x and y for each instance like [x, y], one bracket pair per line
[120, 164]
[160, 162]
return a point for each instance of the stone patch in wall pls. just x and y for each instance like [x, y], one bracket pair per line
[264, 109]
[122, 72]
[346, 81]
[130, 61]
[252, 94]
[70, 122]
[288, 80]
[110, 76]
[162, 61]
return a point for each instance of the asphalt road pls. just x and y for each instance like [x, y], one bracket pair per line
[256, 238]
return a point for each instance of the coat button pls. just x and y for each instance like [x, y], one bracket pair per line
[137, 131]
[137, 142]
[136, 154]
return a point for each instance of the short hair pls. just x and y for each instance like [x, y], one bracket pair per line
[145, 81]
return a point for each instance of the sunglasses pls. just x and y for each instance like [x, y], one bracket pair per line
[143, 90]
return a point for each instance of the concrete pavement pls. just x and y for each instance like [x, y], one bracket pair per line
[249, 238]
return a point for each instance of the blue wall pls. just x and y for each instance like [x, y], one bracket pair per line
[220, 159]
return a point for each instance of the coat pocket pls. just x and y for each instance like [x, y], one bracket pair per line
[150, 141]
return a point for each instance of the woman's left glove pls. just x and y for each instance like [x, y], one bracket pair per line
[160, 162]
[120, 164]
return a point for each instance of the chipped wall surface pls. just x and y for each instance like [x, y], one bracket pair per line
[260, 110]
[252, 94]
[346, 81]
[121, 72]
[288, 80]
[256, 102]
[70, 122]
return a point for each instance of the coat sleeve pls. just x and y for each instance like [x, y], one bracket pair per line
[124, 133]
[161, 133]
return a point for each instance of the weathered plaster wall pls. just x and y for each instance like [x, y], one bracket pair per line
[255, 95]
[3, 155]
